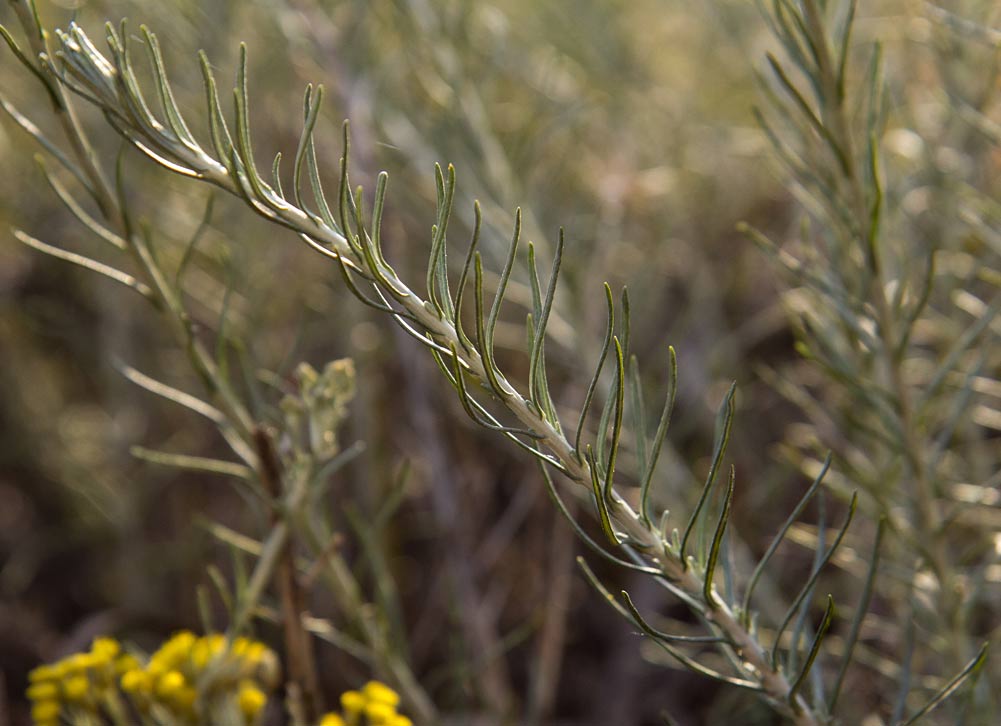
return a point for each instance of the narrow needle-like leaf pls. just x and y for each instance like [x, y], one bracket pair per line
[464, 277]
[606, 344]
[620, 388]
[863, 608]
[584, 536]
[825, 624]
[487, 343]
[169, 392]
[537, 389]
[724, 516]
[659, 436]
[790, 520]
[194, 463]
[808, 586]
[971, 670]
[189, 249]
[661, 635]
[726, 414]
[676, 653]
[599, 499]
[86, 262]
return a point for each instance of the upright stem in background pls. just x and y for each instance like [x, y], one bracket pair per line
[866, 213]
[856, 329]
[298, 643]
[834, 113]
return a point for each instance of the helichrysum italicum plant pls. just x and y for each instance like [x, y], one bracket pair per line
[780, 657]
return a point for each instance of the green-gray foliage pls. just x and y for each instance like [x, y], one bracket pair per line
[864, 287]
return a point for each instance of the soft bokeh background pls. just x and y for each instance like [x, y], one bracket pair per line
[627, 122]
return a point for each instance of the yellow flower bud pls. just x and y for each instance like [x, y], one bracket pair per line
[174, 652]
[105, 648]
[75, 688]
[125, 663]
[216, 643]
[251, 700]
[201, 656]
[43, 673]
[79, 663]
[352, 702]
[169, 684]
[43, 691]
[45, 711]
[240, 647]
[332, 719]
[157, 666]
[381, 693]
[378, 713]
[249, 655]
[182, 640]
[136, 681]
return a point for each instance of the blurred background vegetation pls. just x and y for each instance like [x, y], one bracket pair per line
[628, 122]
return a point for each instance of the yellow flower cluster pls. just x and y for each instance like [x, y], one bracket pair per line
[188, 680]
[373, 705]
[81, 683]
